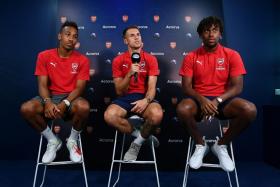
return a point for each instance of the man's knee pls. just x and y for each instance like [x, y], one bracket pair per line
[249, 111]
[27, 109]
[155, 117]
[82, 107]
[109, 116]
[185, 110]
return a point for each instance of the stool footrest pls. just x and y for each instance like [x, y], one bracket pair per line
[60, 163]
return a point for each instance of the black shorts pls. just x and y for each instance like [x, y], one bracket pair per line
[221, 107]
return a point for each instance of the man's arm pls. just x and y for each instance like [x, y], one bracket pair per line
[77, 92]
[122, 84]
[151, 91]
[43, 87]
[235, 87]
[50, 108]
[142, 104]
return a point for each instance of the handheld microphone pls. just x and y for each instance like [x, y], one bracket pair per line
[135, 57]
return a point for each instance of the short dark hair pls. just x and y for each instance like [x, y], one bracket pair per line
[207, 22]
[127, 28]
[68, 24]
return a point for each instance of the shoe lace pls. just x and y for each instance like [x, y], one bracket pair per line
[134, 148]
[51, 145]
[198, 149]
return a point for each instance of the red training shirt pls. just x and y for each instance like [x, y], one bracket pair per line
[210, 71]
[148, 67]
[63, 73]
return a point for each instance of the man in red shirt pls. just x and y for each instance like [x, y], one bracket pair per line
[135, 83]
[62, 75]
[212, 78]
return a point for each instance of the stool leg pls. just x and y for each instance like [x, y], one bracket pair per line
[155, 162]
[120, 163]
[235, 170]
[186, 173]
[44, 175]
[83, 161]
[38, 161]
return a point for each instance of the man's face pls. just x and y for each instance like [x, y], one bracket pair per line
[133, 39]
[211, 36]
[68, 38]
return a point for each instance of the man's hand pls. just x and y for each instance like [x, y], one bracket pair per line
[61, 110]
[140, 106]
[208, 107]
[51, 110]
[135, 68]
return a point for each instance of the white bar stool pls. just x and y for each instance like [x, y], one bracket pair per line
[222, 128]
[135, 120]
[67, 162]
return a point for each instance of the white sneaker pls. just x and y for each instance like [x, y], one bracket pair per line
[52, 147]
[74, 150]
[198, 155]
[221, 152]
[132, 153]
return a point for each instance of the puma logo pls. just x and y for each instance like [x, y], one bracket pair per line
[199, 62]
[53, 64]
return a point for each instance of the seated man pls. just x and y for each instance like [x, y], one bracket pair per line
[62, 74]
[212, 77]
[135, 83]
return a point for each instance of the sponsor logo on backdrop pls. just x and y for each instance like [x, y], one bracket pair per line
[125, 18]
[93, 35]
[142, 26]
[91, 72]
[108, 61]
[109, 27]
[174, 100]
[156, 18]
[93, 19]
[91, 90]
[81, 27]
[107, 100]
[157, 53]
[173, 82]
[173, 45]
[92, 53]
[175, 141]
[93, 110]
[77, 45]
[108, 45]
[188, 19]
[172, 27]
[156, 35]
[189, 35]
[185, 53]
[158, 90]
[107, 81]
[63, 19]
[106, 140]
[74, 67]
[173, 61]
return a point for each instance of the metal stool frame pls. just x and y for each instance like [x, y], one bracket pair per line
[210, 165]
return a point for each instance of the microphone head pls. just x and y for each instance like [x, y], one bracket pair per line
[135, 57]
